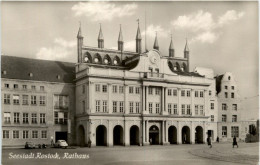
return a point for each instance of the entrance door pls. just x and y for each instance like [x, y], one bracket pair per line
[60, 136]
[154, 135]
[134, 135]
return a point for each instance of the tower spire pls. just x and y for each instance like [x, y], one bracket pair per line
[171, 49]
[100, 38]
[186, 46]
[138, 39]
[120, 40]
[79, 32]
[156, 46]
[79, 44]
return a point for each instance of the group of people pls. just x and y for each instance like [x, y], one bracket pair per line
[217, 140]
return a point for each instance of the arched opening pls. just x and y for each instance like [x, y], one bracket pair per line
[199, 135]
[134, 135]
[107, 60]
[87, 58]
[178, 66]
[101, 136]
[154, 135]
[81, 131]
[172, 135]
[118, 135]
[97, 59]
[185, 135]
[116, 60]
[170, 65]
[184, 66]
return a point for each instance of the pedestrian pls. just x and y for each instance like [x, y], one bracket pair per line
[235, 142]
[89, 143]
[52, 142]
[151, 141]
[218, 139]
[209, 142]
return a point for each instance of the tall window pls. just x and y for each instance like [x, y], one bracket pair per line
[131, 107]
[15, 134]
[224, 106]
[7, 117]
[157, 91]
[131, 90]
[232, 95]
[15, 86]
[34, 118]
[6, 134]
[114, 106]
[33, 100]
[34, 134]
[234, 107]
[16, 99]
[169, 92]
[137, 90]
[114, 88]
[157, 108]
[97, 105]
[150, 90]
[201, 94]
[224, 118]
[196, 93]
[224, 131]
[196, 109]
[104, 106]
[121, 106]
[175, 110]
[33, 87]
[234, 118]
[61, 101]
[104, 88]
[226, 95]
[16, 117]
[25, 118]
[188, 110]
[25, 99]
[209, 92]
[44, 134]
[25, 134]
[6, 98]
[42, 88]
[188, 93]
[234, 131]
[42, 100]
[212, 118]
[6, 85]
[121, 89]
[60, 117]
[97, 87]
[137, 107]
[169, 108]
[150, 107]
[175, 92]
[182, 93]
[183, 109]
[201, 110]
[232, 87]
[212, 106]
[42, 118]
[226, 87]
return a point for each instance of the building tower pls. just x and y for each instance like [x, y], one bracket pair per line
[156, 46]
[79, 44]
[120, 40]
[187, 54]
[100, 38]
[138, 40]
[171, 49]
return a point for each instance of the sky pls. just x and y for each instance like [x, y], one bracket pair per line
[221, 35]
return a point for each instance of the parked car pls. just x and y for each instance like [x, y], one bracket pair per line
[29, 145]
[61, 144]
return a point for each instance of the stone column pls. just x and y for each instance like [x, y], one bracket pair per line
[163, 133]
[146, 100]
[126, 134]
[147, 132]
[192, 133]
[90, 96]
[192, 103]
[109, 101]
[125, 99]
[205, 102]
[162, 101]
[143, 100]
[179, 130]
[110, 134]
[143, 131]
[179, 101]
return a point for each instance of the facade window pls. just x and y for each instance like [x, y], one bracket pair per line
[97, 105]
[182, 93]
[232, 95]
[6, 85]
[137, 90]
[131, 90]
[42, 118]
[114, 89]
[226, 87]
[34, 118]
[211, 106]
[226, 95]
[114, 106]
[42, 88]
[224, 106]
[224, 131]
[183, 109]
[150, 90]
[188, 93]
[137, 107]
[188, 110]
[232, 87]
[175, 92]
[201, 94]
[6, 98]
[24, 86]
[196, 93]
[42, 100]
[209, 92]
[157, 91]
[157, 108]
[25, 118]
[25, 134]
[33, 87]
[25, 99]
[169, 108]
[169, 92]
[34, 134]
[104, 88]
[33, 100]
[234, 118]
[16, 117]
[60, 117]
[104, 106]
[150, 107]
[121, 89]
[224, 118]
[61, 101]
[175, 110]
[212, 118]
[121, 106]
[97, 87]
[15, 134]
[201, 110]
[15, 86]
[234, 107]
[131, 107]
[44, 134]
[16, 99]
[83, 88]
[196, 109]
[7, 117]
[6, 134]
[234, 131]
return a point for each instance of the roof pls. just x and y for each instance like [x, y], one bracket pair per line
[42, 70]
[188, 74]
[218, 83]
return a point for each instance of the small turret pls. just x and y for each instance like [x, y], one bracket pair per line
[79, 44]
[171, 49]
[100, 38]
[138, 40]
[120, 40]
[156, 46]
[187, 55]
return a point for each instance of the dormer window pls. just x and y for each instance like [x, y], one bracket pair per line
[229, 78]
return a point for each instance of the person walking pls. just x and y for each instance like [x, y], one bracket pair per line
[209, 142]
[235, 142]
[218, 139]
[89, 143]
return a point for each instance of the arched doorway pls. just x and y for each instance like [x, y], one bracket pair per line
[134, 135]
[101, 136]
[81, 131]
[172, 135]
[154, 135]
[185, 135]
[118, 135]
[199, 135]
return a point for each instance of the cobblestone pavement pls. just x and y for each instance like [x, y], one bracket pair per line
[247, 153]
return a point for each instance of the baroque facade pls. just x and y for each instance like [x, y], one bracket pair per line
[117, 97]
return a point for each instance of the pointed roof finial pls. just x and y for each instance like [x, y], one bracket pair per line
[186, 46]
[156, 45]
[79, 32]
[120, 37]
[171, 44]
[100, 36]
[138, 34]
